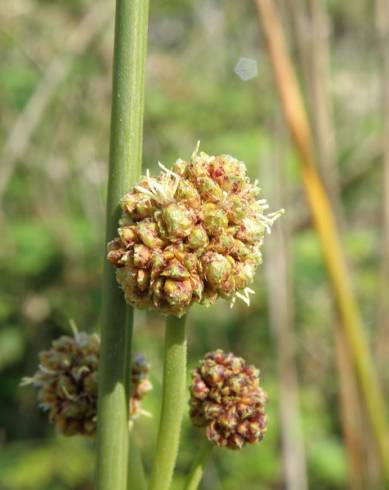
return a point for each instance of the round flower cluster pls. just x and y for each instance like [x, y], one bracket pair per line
[227, 400]
[66, 380]
[192, 234]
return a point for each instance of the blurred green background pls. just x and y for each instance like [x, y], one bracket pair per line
[55, 72]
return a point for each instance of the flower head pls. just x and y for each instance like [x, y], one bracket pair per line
[191, 235]
[227, 401]
[66, 381]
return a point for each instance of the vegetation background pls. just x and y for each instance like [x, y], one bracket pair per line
[55, 88]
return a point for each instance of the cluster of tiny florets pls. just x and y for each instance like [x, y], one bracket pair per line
[66, 381]
[192, 234]
[227, 401]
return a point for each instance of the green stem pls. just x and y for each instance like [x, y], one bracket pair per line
[125, 162]
[197, 471]
[173, 403]
[136, 475]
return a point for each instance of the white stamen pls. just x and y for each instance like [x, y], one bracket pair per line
[175, 186]
[27, 380]
[161, 189]
[81, 371]
[276, 214]
[176, 177]
[67, 394]
[150, 181]
[45, 370]
[244, 296]
[269, 219]
[146, 413]
[144, 191]
[194, 154]
[73, 326]
[168, 171]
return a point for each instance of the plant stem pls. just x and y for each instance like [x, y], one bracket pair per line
[382, 336]
[326, 228]
[136, 475]
[197, 471]
[125, 162]
[173, 402]
[281, 314]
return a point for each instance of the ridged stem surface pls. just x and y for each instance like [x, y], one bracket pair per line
[125, 159]
[173, 404]
[197, 471]
[136, 474]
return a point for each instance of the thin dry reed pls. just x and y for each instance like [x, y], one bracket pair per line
[314, 43]
[350, 319]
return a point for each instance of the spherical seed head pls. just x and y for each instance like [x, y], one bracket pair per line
[66, 381]
[227, 401]
[191, 235]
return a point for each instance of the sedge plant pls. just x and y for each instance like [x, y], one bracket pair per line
[192, 234]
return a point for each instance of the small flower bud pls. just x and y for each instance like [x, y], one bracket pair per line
[142, 256]
[217, 269]
[215, 219]
[198, 239]
[127, 235]
[148, 233]
[178, 221]
[188, 194]
[209, 189]
[116, 252]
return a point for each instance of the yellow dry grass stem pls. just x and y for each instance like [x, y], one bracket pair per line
[295, 115]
